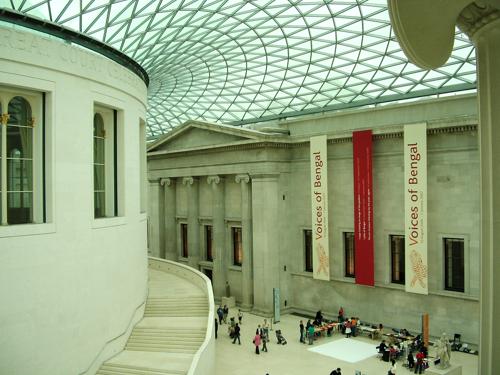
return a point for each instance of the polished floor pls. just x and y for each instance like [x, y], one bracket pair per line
[295, 358]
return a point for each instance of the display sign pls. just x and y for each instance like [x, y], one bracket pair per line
[415, 193]
[319, 205]
[363, 207]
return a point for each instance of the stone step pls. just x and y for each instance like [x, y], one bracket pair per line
[142, 348]
[121, 369]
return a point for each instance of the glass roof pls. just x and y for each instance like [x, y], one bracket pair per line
[238, 62]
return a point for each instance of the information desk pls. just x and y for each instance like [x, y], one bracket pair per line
[325, 327]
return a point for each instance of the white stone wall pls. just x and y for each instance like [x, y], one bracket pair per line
[73, 287]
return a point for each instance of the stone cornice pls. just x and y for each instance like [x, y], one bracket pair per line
[475, 16]
[434, 128]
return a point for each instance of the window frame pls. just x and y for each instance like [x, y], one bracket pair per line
[393, 279]
[446, 286]
[36, 100]
[348, 262]
[109, 116]
[184, 240]
[237, 253]
[307, 264]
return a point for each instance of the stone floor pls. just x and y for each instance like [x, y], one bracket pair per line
[294, 358]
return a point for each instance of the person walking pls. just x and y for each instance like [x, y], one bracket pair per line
[216, 327]
[264, 338]
[392, 370]
[301, 329]
[225, 312]
[240, 316]
[256, 341]
[236, 334]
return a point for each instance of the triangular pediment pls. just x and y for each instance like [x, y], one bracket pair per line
[195, 135]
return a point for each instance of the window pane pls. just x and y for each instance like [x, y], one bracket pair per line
[99, 178]
[184, 241]
[99, 150]
[19, 175]
[308, 250]
[99, 204]
[19, 208]
[208, 242]
[349, 254]
[19, 142]
[19, 112]
[454, 264]
[237, 247]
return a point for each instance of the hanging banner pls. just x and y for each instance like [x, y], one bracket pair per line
[415, 159]
[319, 200]
[363, 207]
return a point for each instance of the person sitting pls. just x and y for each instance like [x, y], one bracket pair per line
[393, 352]
[381, 348]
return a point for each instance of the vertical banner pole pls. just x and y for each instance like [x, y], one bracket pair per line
[319, 205]
[415, 160]
[363, 207]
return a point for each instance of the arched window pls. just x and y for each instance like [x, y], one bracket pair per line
[19, 160]
[99, 167]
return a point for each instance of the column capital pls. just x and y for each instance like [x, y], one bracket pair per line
[243, 178]
[188, 180]
[167, 181]
[215, 179]
[475, 16]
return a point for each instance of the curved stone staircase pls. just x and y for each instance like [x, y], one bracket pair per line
[174, 327]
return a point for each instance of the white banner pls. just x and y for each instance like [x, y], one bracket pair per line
[319, 200]
[415, 159]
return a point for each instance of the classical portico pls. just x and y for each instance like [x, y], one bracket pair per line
[425, 31]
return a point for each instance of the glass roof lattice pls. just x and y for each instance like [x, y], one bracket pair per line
[238, 62]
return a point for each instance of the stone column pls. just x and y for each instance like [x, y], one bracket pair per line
[193, 223]
[265, 239]
[219, 276]
[246, 225]
[169, 212]
[482, 24]
[155, 218]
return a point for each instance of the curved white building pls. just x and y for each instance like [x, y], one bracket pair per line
[73, 259]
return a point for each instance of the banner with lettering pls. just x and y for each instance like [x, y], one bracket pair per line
[415, 193]
[319, 199]
[363, 207]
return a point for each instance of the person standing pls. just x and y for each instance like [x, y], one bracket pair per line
[225, 312]
[256, 341]
[236, 334]
[220, 314]
[216, 327]
[348, 328]
[264, 339]
[301, 329]
[419, 366]
[341, 314]
[310, 334]
[240, 316]
[336, 372]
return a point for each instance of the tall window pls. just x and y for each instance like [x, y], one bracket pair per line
[454, 264]
[349, 254]
[105, 160]
[20, 159]
[184, 240]
[237, 246]
[397, 259]
[208, 242]
[308, 250]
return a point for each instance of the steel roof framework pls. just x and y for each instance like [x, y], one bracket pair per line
[238, 62]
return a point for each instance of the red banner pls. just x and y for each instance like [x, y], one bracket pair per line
[363, 207]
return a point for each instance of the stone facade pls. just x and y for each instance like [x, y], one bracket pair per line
[273, 210]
